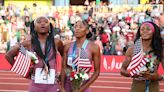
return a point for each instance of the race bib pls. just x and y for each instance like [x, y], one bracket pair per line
[41, 78]
[69, 61]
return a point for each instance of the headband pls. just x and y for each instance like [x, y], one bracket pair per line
[150, 25]
[40, 17]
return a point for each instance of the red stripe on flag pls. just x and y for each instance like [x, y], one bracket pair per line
[19, 67]
[25, 65]
[75, 61]
[22, 64]
[137, 61]
[136, 58]
[84, 65]
[17, 64]
[22, 61]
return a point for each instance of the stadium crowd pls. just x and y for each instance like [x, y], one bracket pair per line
[113, 31]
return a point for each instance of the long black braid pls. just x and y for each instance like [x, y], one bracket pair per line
[49, 43]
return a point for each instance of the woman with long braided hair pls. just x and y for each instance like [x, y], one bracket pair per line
[45, 47]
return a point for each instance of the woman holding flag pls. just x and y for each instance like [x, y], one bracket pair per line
[43, 48]
[144, 58]
[78, 58]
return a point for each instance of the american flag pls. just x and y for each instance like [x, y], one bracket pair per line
[84, 64]
[22, 63]
[137, 60]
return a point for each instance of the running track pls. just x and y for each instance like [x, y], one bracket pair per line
[107, 82]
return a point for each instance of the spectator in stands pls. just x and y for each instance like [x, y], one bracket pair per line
[114, 39]
[151, 43]
[110, 5]
[68, 34]
[3, 46]
[99, 21]
[119, 49]
[57, 30]
[84, 49]
[86, 3]
[107, 49]
[104, 38]
[23, 38]
[42, 42]
[12, 41]
[128, 19]
[130, 36]
[99, 43]
[27, 23]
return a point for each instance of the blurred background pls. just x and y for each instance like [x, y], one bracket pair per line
[112, 24]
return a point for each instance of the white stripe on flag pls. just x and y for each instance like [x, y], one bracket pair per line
[84, 59]
[27, 66]
[139, 67]
[144, 61]
[137, 70]
[21, 68]
[138, 62]
[22, 64]
[17, 64]
[84, 62]
[141, 64]
[87, 69]
[26, 63]
[131, 73]
[136, 56]
[75, 62]
[134, 60]
[85, 66]
[134, 71]
[83, 69]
